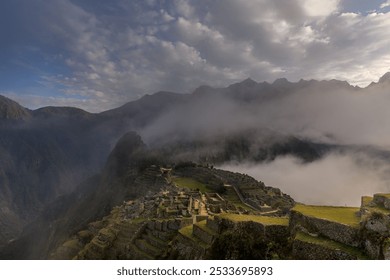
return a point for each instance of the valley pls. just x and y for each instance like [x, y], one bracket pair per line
[66, 174]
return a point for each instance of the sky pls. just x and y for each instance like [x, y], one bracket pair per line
[97, 54]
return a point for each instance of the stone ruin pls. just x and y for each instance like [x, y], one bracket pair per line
[369, 237]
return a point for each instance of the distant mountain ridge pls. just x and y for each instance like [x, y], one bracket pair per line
[45, 153]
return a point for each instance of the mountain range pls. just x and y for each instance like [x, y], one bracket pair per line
[63, 167]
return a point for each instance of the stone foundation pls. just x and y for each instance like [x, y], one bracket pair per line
[308, 251]
[335, 231]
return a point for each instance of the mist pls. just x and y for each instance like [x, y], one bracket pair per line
[324, 112]
[332, 113]
[336, 179]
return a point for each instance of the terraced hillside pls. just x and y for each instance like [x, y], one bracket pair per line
[184, 220]
[245, 220]
[327, 232]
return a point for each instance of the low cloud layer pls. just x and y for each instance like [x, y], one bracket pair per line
[337, 179]
[329, 113]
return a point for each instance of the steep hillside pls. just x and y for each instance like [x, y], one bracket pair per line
[154, 225]
[124, 177]
[46, 153]
[10, 110]
[152, 228]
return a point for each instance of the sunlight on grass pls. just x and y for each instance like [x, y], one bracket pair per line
[184, 182]
[282, 221]
[343, 215]
[325, 242]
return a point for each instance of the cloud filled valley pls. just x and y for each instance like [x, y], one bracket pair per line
[322, 142]
[351, 120]
[336, 179]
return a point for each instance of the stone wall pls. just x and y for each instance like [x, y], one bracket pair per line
[184, 248]
[214, 224]
[308, 251]
[382, 200]
[268, 232]
[203, 235]
[276, 232]
[338, 232]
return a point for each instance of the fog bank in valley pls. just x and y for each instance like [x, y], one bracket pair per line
[336, 179]
[330, 113]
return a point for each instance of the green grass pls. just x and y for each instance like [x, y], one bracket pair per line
[282, 221]
[157, 240]
[140, 253]
[325, 242]
[185, 182]
[386, 195]
[138, 220]
[84, 234]
[342, 215]
[366, 200]
[187, 232]
[72, 244]
[149, 247]
[203, 226]
[378, 208]
[233, 198]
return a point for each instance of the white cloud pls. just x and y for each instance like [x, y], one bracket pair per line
[184, 8]
[178, 45]
[385, 4]
[317, 8]
[337, 179]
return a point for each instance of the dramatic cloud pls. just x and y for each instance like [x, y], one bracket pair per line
[385, 4]
[337, 179]
[116, 51]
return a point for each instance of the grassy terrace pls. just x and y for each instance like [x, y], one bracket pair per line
[157, 240]
[325, 242]
[203, 226]
[232, 197]
[379, 209]
[366, 200]
[282, 221]
[140, 253]
[187, 232]
[386, 195]
[138, 220]
[342, 215]
[185, 182]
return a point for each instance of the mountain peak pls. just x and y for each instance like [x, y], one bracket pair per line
[245, 84]
[281, 81]
[385, 78]
[11, 110]
[64, 112]
[249, 82]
